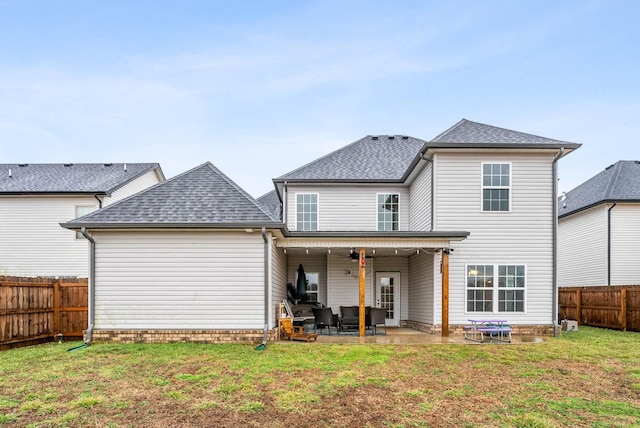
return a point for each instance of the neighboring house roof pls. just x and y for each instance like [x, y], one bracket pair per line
[83, 178]
[467, 133]
[617, 183]
[391, 158]
[201, 197]
[372, 158]
[271, 204]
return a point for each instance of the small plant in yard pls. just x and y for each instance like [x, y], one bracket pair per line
[585, 378]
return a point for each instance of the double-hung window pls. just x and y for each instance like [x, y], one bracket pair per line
[496, 186]
[307, 211]
[388, 209]
[496, 288]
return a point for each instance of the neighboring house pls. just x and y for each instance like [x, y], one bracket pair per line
[197, 258]
[599, 229]
[36, 198]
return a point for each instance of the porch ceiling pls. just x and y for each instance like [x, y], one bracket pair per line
[375, 244]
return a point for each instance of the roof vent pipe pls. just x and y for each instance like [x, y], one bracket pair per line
[125, 167]
[10, 173]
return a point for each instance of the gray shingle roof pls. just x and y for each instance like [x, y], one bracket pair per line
[390, 158]
[202, 196]
[271, 204]
[92, 178]
[468, 132]
[618, 182]
[372, 158]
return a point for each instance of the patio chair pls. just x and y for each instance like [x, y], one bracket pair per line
[325, 318]
[378, 316]
[350, 317]
[294, 332]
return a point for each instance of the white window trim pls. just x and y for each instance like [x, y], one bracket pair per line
[482, 187]
[496, 289]
[80, 236]
[295, 204]
[399, 209]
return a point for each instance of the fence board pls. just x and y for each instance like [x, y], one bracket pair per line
[616, 307]
[33, 310]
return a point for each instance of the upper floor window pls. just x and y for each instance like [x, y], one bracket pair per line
[488, 284]
[388, 211]
[82, 210]
[496, 186]
[307, 211]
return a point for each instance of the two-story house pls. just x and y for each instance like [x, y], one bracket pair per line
[36, 198]
[599, 231]
[459, 227]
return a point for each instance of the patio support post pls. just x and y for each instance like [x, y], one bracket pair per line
[361, 263]
[445, 293]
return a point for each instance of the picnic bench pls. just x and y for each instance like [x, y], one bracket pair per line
[494, 329]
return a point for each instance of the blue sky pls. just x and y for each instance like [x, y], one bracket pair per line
[262, 87]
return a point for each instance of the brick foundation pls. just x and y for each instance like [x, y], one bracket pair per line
[519, 330]
[172, 336]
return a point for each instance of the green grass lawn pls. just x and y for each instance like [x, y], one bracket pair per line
[585, 378]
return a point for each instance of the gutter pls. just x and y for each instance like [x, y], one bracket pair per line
[92, 277]
[609, 242]
[265, 336]
[554, 304]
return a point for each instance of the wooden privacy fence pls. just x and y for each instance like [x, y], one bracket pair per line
[616, 306]
[35, 310]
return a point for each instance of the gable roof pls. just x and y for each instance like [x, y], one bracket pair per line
[473, 134]
[271, 204]
[372, 158]
[391, 158]
[200, 197]
[618, 182]
[83, 178]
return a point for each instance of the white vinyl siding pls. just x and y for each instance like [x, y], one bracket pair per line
[179, 280]
[143, 182]
[625, 247]
[522, 236]
[582, 248]
[344, 283]
[278, 280]
[420, 201]
[32, 243]
[347, 207]
[421, 288]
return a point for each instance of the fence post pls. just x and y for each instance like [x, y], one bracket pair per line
[579, 306]
[56, 306]
[623, 309]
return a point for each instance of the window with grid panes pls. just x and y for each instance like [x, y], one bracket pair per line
[496, 186]
[307, 211]
[388, 209]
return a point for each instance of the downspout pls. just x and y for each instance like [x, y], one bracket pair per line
[430, 160]
[99, 201]
[92, 276]
[554, 304]
[265, 337]
[609, 243]
[284, 203]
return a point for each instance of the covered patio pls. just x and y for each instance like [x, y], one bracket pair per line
[378, 269]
